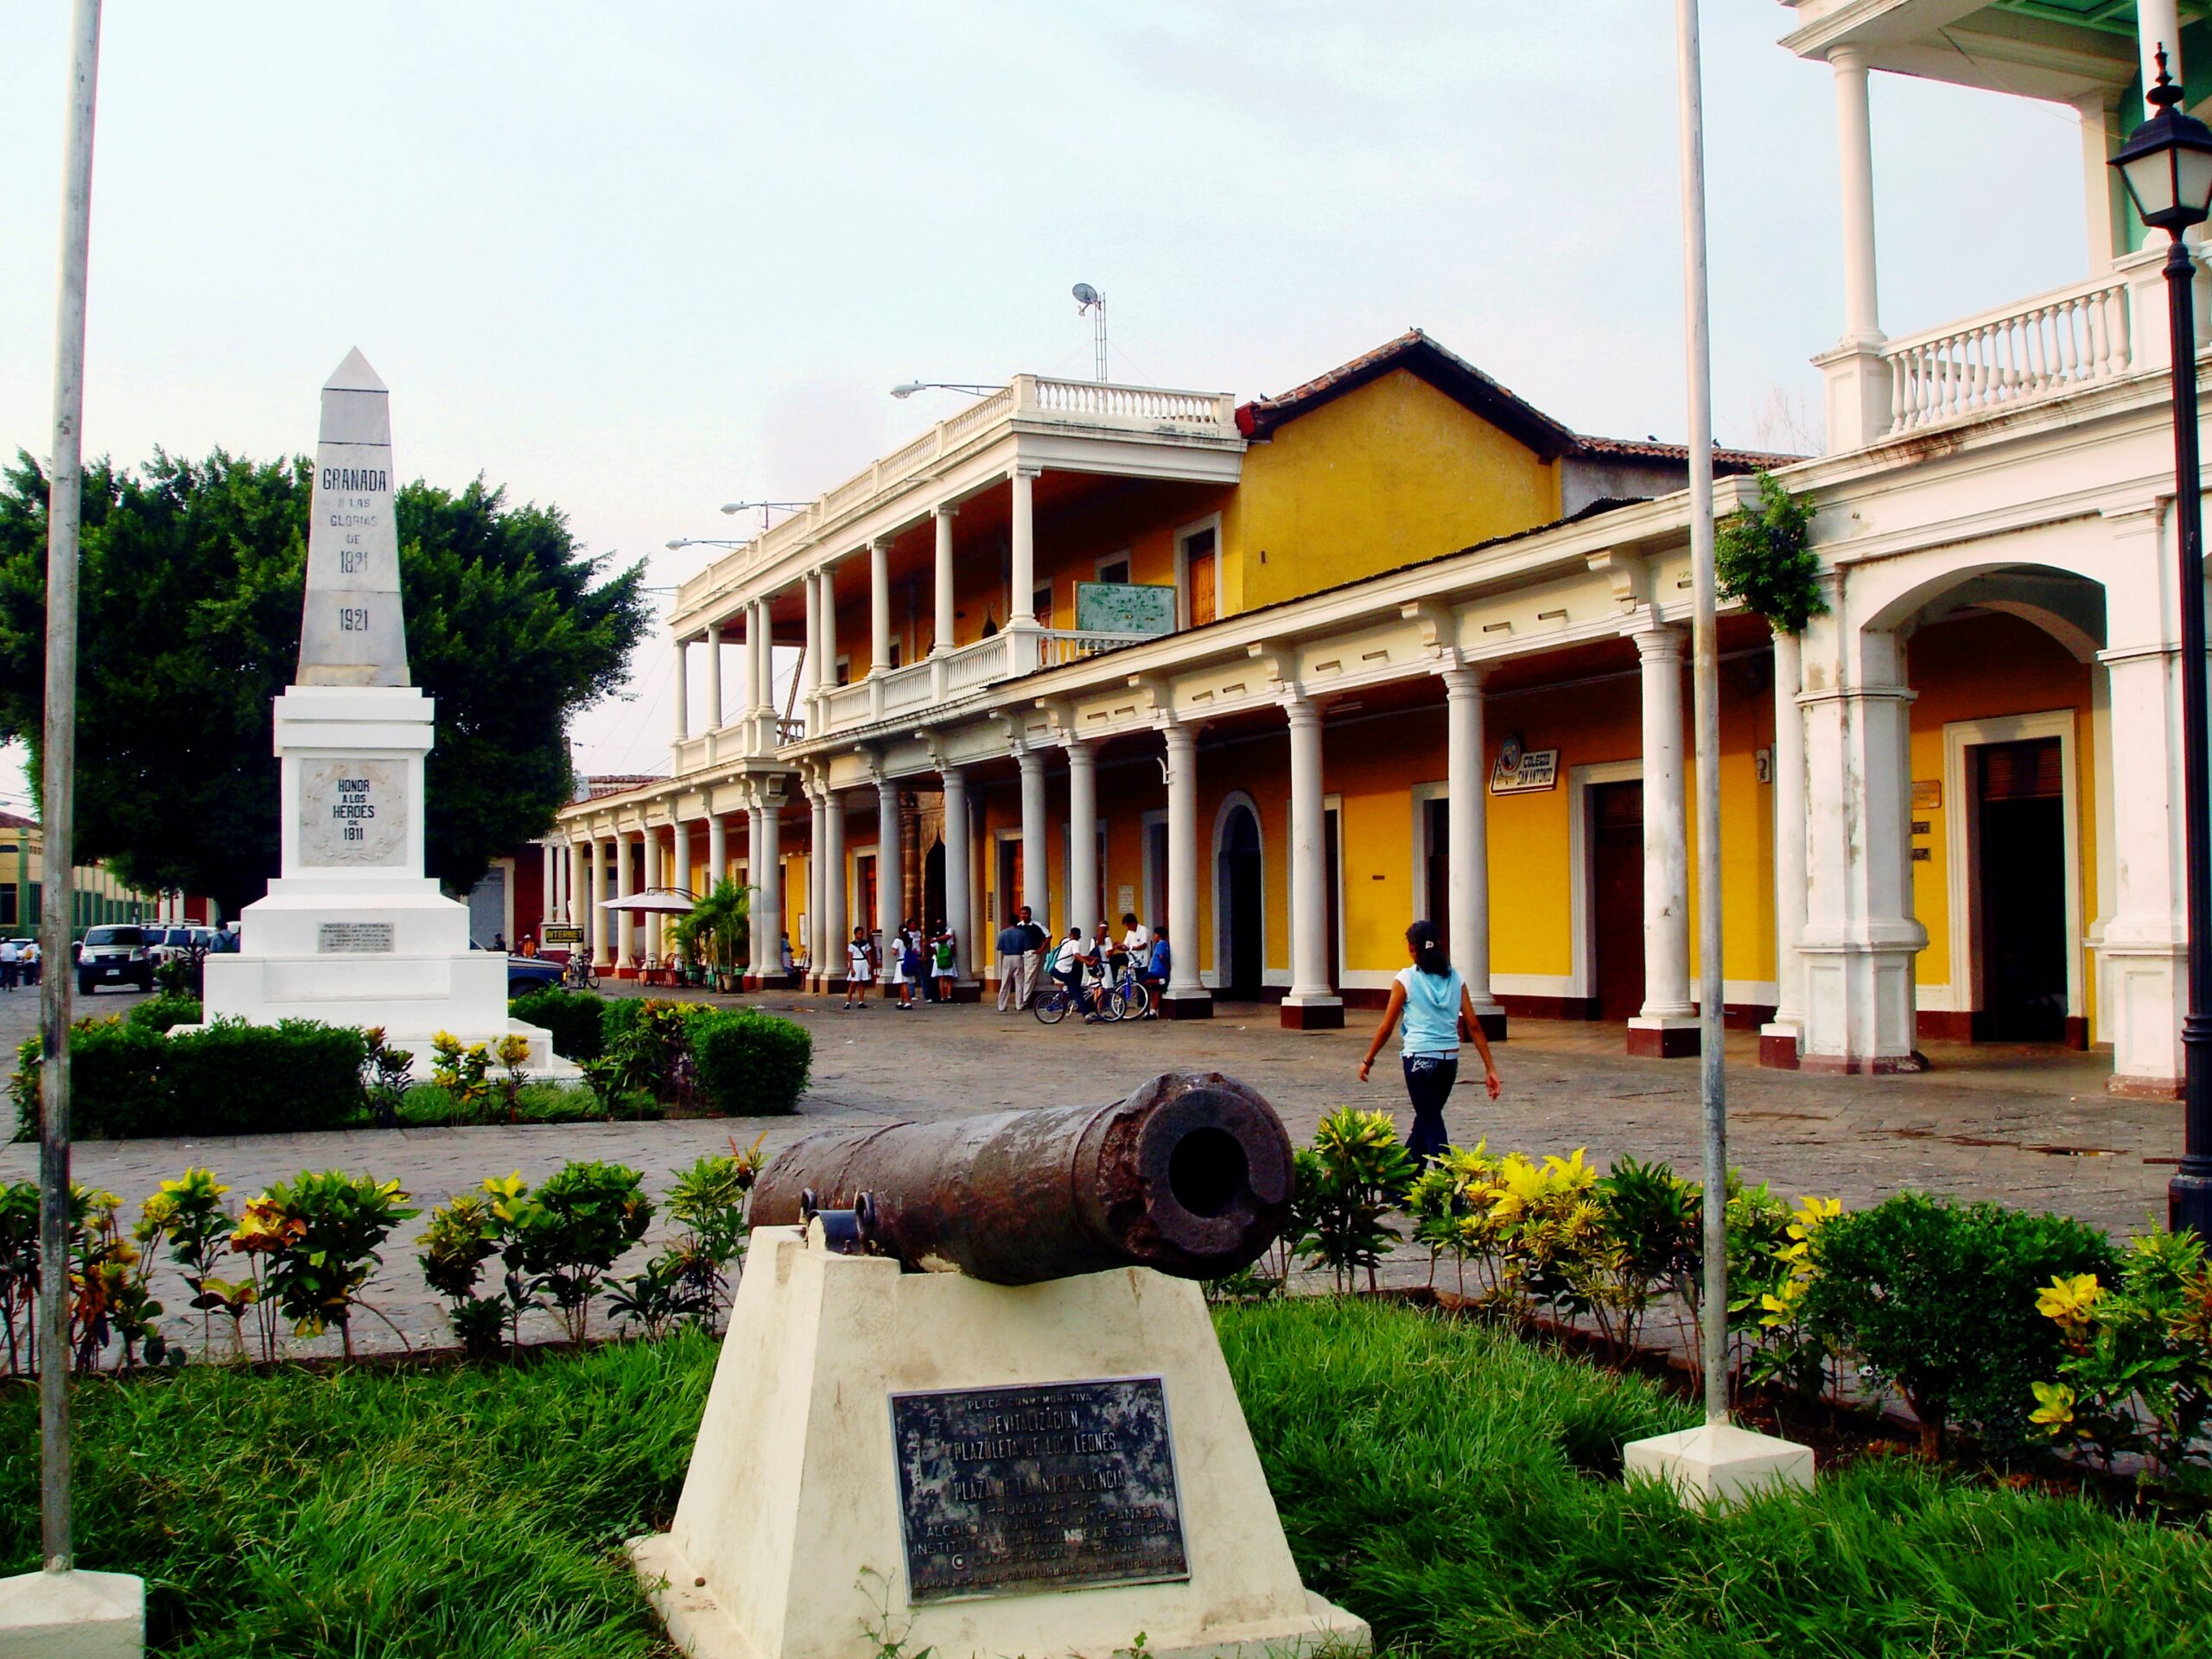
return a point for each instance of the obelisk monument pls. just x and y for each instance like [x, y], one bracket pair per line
[352, 932]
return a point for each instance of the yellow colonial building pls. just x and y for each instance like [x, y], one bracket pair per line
[1267, 675]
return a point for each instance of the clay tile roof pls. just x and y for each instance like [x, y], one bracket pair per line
[1725, 461]
[614, 783]
[12, 821]
[1447, 372]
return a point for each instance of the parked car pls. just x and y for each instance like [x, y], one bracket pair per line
[114, 955]
[528, 974]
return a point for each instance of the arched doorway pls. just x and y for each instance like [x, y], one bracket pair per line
[2003, 662]
[1239, 953]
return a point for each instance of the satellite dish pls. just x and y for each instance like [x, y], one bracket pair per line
[1085, 294]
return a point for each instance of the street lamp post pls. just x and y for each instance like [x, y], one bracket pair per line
[2167, 167]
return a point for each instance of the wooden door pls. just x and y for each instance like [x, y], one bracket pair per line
[1617, 897]
[1199, 566]
[2021, 824]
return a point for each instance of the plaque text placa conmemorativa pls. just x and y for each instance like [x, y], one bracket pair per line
[1057, 1486]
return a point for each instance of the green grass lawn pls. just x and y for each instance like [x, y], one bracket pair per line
[1445, 1482]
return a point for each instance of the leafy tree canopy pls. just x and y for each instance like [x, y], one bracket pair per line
[191, 584]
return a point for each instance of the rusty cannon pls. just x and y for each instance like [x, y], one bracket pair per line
[1190, 1175]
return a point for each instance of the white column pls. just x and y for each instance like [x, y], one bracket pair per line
[753, 957]
[2158, 24]
[810, 678]
[1779, 1040]
[765, 662]
[1861, 939]
[656, 875]
[1186, 996]
[679, 869]
[579, 884]
[714, 677]
[748, 667]
[1024, 538]
[1083, 910]
[1855, 153]
[834, 923]
[624, 885]
[717, 851]
[1311, 1005]
[2143, 952]
[1857, 376]
[596, 941]
[829, 625]
[959, 860]
[889, 864]
[1036, 881]
[768, 904]
[817, 832]
[548, 855]
[682, 697]
[942, 640]
[879, 606]
[1667, 1023]
[1467, 904]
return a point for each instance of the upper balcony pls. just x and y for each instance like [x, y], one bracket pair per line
[1035, 422]
[2108, 326]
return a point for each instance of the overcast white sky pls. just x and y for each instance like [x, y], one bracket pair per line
[640, 260]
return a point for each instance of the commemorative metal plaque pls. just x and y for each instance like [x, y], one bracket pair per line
[1006, 1491]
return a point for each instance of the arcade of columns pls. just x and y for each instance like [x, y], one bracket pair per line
[597, 868]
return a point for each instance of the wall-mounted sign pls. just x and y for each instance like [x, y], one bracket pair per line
[1927, 794]
[1124, 607]
[1535, 770]
[561, 933]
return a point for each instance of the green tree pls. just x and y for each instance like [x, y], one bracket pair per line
[191, 587]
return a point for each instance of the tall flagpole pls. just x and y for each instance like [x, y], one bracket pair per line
[57, 789]
[1705, 681]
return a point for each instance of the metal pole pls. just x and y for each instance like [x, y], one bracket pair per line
[64, 502]
[1704, 682]
[2189, 1194]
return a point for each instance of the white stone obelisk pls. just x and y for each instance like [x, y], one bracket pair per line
[352, 932]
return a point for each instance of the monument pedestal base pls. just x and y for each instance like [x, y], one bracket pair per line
[790, 1539]
[1720, 1461]
[73, 1615]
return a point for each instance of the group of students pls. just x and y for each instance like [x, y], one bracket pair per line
[909, 957]
[19, 961]
[1087, 967]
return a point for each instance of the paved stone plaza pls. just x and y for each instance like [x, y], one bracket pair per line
[2031, 1127]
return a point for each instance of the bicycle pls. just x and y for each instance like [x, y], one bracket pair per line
[1125, 996]
[577, 973]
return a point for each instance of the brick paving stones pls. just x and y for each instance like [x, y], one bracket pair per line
[2031, 1127]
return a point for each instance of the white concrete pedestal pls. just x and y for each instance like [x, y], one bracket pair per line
[73, 1615]
[1721, 1462]
[787, 1543]
[352, 933]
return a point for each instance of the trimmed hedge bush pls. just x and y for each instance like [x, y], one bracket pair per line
[160, 1012]
[128, 1080]
[749, 1064]
[576, 1018]
[1940, 1299]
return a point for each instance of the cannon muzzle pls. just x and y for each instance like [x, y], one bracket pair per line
[1190, 1175]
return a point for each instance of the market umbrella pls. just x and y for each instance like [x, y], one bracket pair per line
[668, 901]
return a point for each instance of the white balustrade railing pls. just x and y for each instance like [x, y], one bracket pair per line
[1134, 410]
[847, 705]
[962, 673]
[977, 665]
[2035, 349]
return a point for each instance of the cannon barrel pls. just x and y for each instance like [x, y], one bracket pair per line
[1191, 1175]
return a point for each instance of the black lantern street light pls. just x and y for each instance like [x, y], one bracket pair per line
[2167, 167]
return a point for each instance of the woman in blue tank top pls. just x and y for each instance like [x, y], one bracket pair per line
[1432, 1000]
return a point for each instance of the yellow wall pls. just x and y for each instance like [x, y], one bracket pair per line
[1393, 472]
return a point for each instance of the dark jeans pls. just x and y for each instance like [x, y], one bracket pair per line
[1429, 1078]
